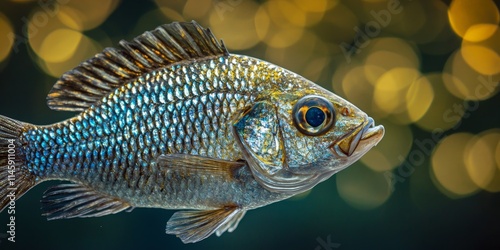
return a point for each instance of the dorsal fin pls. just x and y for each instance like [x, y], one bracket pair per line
[168, 44]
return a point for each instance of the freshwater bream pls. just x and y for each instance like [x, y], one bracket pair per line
[173, 120]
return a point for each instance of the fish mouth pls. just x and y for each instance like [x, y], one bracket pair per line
[359, 140]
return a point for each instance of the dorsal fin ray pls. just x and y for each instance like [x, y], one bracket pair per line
[168, 44]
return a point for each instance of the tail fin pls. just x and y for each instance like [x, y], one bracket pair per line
[15, 178]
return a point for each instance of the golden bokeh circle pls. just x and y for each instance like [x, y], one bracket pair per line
[463, 14]
[60, 45]
[480, 160]
[7, 37]
[466, 83]
[56, 61]
[481, 48]
[448, 166]
[480, 32]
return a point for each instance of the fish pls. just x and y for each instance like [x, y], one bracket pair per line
[172, 120]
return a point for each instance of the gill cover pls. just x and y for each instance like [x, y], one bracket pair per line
[259, 135]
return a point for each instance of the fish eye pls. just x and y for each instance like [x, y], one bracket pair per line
[313, 115]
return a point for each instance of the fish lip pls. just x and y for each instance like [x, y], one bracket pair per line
[370, 131]
[365, 133]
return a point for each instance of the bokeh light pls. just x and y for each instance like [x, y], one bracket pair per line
[241, 19]
[464, 14]
[196, 10]
[391, 88]
[171, 14]
[497, 155]
[6, 39]
[57, 39]
[85, 49]
[481, 48]
[419, 98]
[480, 160]
[450, 172]
[445, 110]
[357, 87]
[466, 83]
[435, 21]
[409, 21]
[60, 45]
[86, 15]
[362, 187]
[387, 154]
[340, 21]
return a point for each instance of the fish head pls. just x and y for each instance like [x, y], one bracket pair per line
[301, 134]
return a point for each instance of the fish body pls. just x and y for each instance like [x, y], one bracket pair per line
[172, 120]
[164, 113]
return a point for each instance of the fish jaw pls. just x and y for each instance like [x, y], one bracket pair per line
[358, 141]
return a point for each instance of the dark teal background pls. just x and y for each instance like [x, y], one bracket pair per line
[441, 223]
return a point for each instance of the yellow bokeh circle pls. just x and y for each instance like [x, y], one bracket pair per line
[463, 14]
[480, 160]
[466, 83]
[448, 166]
[7, 37]
[481, 48]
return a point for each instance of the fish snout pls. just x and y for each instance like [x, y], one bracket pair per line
[359, 140]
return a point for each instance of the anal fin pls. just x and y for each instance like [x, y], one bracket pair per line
[194, 226]
[75, 200]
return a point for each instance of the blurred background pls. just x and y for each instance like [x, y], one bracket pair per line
[428, 71]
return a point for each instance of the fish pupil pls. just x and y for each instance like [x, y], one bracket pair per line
[315, 116]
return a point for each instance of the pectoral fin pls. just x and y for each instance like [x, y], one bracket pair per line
[193, 226]
[76, 200]
[199, 163]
